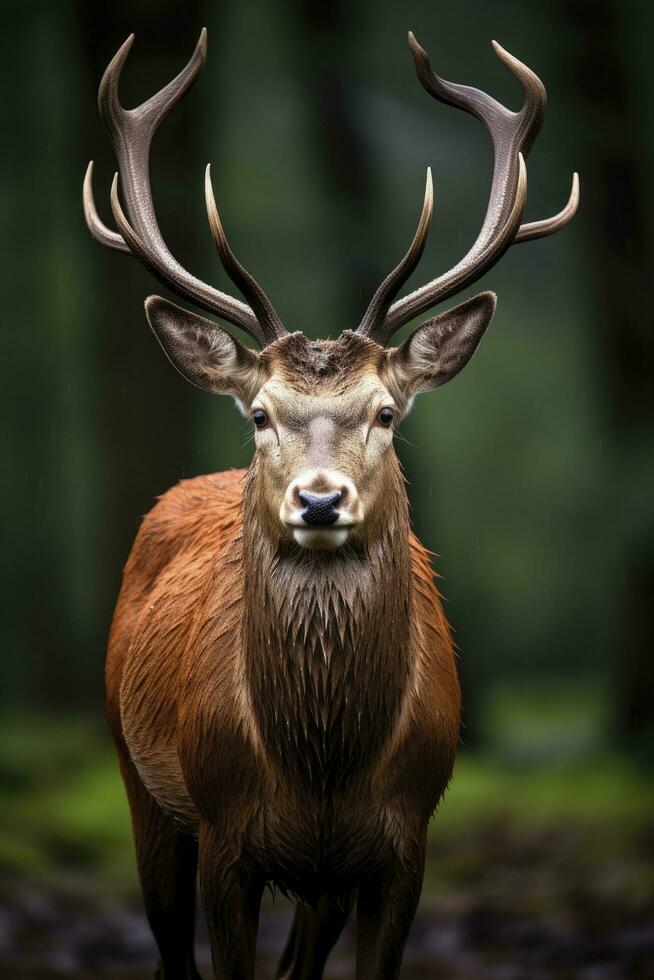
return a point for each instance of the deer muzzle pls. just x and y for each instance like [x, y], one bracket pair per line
[321, 507]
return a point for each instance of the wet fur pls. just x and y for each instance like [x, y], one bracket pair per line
[313, 719]
[295, 712]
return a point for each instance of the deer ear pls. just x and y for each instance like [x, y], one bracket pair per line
[441, 347]
[204, 353]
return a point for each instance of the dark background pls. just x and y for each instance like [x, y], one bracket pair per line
[530, 475]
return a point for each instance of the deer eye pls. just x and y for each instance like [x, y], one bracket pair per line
[386, 416]
[259, 418]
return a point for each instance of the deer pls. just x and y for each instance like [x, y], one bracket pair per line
[281, 681]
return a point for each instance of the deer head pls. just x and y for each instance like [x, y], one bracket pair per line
[323, 411]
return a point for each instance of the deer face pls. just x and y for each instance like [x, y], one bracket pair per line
[323, 412]
[324, 439]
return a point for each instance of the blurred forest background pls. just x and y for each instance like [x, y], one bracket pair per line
[531, 475]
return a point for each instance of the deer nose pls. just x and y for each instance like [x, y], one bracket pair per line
[319, 508]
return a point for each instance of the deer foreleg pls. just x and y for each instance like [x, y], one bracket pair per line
[231, 893]
[386, 907]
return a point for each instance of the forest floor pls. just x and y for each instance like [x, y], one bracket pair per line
[535, 871]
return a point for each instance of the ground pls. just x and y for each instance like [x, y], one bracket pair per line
[535, 870]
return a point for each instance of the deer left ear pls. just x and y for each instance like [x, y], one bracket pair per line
[204, 353]
[441, 347]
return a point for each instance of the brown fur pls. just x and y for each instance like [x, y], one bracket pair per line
[295, 712]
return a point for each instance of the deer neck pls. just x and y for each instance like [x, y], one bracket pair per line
[326, 640]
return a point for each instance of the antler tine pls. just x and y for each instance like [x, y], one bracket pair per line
[131, 132]
[535, 104]
[94, 223]
[538, 229]
[148, 115]
[512, 135]
[154, 109]
[375, 315]
[266, 314]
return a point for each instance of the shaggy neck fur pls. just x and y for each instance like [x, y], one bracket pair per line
[326, 642]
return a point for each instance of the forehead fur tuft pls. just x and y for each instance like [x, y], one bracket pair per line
[307, 364]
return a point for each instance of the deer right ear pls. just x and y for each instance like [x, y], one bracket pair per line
[440, 347]
[204, 353]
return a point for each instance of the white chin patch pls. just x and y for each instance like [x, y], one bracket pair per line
[321, 539]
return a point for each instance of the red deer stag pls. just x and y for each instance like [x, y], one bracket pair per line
[281, 684]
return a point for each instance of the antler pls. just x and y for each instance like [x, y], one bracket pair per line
[131, 132]
[512, 135]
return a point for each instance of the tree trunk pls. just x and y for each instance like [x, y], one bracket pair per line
[622, 253]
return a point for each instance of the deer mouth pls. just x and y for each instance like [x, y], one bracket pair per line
[323, 536]
[320, 538]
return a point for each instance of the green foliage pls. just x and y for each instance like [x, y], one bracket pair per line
[62, 803]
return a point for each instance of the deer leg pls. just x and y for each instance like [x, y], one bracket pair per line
[231, 891]
[167, 862]
[386, 907]
[311, 939]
